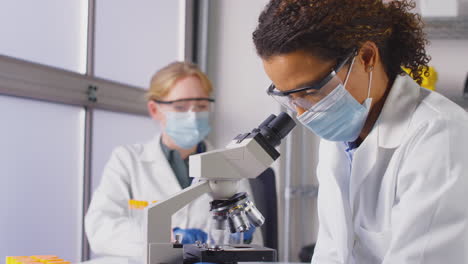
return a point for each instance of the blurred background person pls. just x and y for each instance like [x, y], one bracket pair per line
[179, 99]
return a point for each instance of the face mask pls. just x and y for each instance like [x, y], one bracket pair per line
[338, 116]
[187, 129]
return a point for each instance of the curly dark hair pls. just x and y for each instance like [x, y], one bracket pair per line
[331, 29]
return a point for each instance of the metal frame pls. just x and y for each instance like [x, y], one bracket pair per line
[287, 172]
[88, 142]
[449, 27]
[30, 80]
[189, 30]
[196, 32]
[296, 193]
[199, 43]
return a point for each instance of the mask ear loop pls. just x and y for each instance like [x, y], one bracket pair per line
[371, 68]
[349, 71]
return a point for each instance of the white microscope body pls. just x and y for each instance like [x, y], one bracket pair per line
[218, 172]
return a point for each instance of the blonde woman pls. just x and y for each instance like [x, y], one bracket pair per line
[179, 99]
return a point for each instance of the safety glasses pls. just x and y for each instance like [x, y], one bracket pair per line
[307, 96]
[187, 104]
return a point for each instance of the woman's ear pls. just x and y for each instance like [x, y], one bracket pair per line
[153, 110]
[368, 55]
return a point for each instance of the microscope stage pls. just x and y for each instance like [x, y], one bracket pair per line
[228, 254]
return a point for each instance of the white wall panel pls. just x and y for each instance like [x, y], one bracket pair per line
[41, 172]
[51, 32]
[136, 38]
[236, 71]
[449, 57]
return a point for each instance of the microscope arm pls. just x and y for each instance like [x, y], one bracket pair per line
[245, 157]
[158, 221]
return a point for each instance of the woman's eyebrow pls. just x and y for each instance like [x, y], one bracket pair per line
[312, 82]
[305, 84]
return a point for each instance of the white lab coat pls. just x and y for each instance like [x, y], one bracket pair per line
[404, 200]
[139, 172]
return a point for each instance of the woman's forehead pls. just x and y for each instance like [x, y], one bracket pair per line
[295, 70]
[187, 87]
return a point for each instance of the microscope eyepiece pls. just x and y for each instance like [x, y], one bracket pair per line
[272, 130]
[275, 128]
[270, 133]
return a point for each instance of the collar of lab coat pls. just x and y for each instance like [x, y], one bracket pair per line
[152, 150]
[398, 109]
[391, 126]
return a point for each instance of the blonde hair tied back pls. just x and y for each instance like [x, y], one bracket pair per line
[163, 80]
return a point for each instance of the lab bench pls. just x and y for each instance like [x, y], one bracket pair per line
[117, 260]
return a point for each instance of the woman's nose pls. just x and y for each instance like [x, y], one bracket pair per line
[299, 110]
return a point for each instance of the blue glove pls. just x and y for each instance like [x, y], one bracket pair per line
[248, 235]
[190, 235]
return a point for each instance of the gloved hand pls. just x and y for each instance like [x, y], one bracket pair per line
[190, 235]
[248, 235]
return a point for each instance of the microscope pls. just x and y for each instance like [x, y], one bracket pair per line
[218, 172]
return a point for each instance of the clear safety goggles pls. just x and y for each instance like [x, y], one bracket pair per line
[187, 104]
[307, 96]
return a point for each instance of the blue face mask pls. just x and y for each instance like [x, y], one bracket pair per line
[187, 129]
[338, 116]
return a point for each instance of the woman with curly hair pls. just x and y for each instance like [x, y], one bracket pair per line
[393, 156]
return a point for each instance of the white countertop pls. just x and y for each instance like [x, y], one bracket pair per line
[120, 260]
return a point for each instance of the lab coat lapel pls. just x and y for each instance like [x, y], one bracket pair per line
[387, 133]
[364, 161]
[396, 114]
[163, 174]
[342, 224]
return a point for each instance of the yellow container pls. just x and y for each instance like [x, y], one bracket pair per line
[20, 260]
[139, 205]
[45, 258]
[37, 259]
